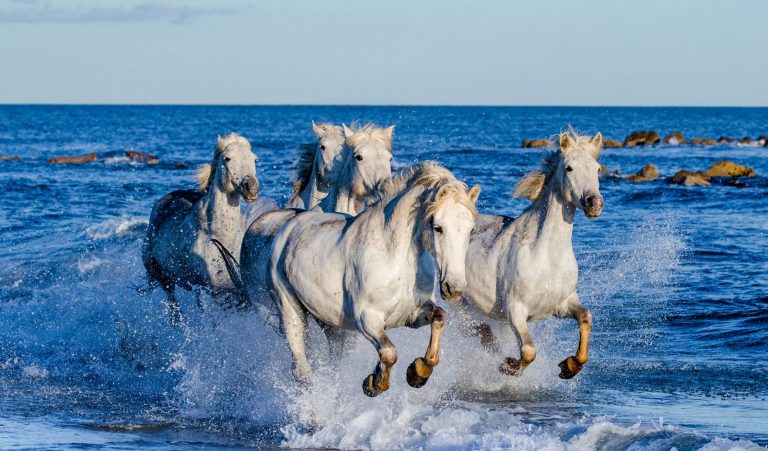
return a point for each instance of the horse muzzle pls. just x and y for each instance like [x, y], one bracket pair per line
[593, 206]
[451, 291]
[249, 189]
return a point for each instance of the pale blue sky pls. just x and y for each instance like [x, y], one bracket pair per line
[481, 52]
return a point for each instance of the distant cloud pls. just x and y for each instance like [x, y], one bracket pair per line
[33, 11]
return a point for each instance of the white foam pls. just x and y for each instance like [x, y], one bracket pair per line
[34, 371]
[115, 227]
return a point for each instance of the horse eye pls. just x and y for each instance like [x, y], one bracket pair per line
[227, 158]
[390, 158]
[322, 147]
[359, 157]
[569, 169]
[438, 229]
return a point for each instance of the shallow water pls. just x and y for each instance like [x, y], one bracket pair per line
[676, 278]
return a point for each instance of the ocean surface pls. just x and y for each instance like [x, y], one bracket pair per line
[676, 279]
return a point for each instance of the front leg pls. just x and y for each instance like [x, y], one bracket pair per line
[519, 321]
[420, 370]
[573, 309]
[372, 327]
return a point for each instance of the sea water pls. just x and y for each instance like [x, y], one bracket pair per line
[676, 279]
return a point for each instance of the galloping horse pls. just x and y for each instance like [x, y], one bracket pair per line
[366, 161]
[524, 269]
[316, 167]
[188, 228]
[376, 271]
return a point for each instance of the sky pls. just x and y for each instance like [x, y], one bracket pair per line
[405, 52]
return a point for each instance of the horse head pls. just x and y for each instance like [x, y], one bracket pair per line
[451, 217]
[330, 140]
[580, 170]
[369, 157]
[233, 169]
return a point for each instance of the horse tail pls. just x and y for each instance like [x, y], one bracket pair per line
[233, 268]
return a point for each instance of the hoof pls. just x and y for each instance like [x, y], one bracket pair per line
[569, 368]
[369, 388]
[418, 373]
[511, 367]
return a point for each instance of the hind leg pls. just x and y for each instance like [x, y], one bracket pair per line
[294, 324]
[338, 339]
[372, 327]
[420, 370]
[519, 323]
[573, 309]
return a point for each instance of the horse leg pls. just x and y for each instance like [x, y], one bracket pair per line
[469, 327]
[337, 341]
[515, 367]
[294, 323]
[573, 364]
[420, 370]
[173, 307]
[378, 381]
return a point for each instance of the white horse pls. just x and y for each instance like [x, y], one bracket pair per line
[376, 271]
[315, 167]
[188, 229]
[366, 160]
[524, 269]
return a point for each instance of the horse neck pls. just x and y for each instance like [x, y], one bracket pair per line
[552, 218]
[402, 216]
[222, 215]
[312, 195]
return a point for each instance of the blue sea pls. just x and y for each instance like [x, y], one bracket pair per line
[676, 278]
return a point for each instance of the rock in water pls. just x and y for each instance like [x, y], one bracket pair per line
[76, 159]
[674, 138]
[611, 144]
[537, 143]
[703, 141]
[646, 174]
[727, 168]
[689, 178]
[641, 138]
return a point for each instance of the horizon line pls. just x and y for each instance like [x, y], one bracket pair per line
[378, 105]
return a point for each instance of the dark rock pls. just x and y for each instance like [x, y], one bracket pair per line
[641, 138]
[140, 156]
[180, 165]
[729, 169]
[537, 143]
[689, 178]
[646, 174]
[725, 140]
[611, 144]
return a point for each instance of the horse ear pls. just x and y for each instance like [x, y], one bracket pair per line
[597, 141]
[565, 142]
[474, 193]
[319, 129]
[442, 192]
[390, 131]
[347, 131]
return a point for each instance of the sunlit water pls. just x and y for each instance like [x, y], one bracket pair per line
[676, 278]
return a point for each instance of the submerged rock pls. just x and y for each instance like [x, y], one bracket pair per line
[641, 138]
[537, 143]
[140, 156]
[76, 159]
[646, 174]
[725, 140]
[727, 168]
[611, 144]
[608, 171]
[9, 158]
[689, 178]
[674, 138]
[703, 141]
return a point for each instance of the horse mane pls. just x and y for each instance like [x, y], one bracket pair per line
[205, 173]
[429, 175]
[303, 165]
[356, 135]
[532, 184]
